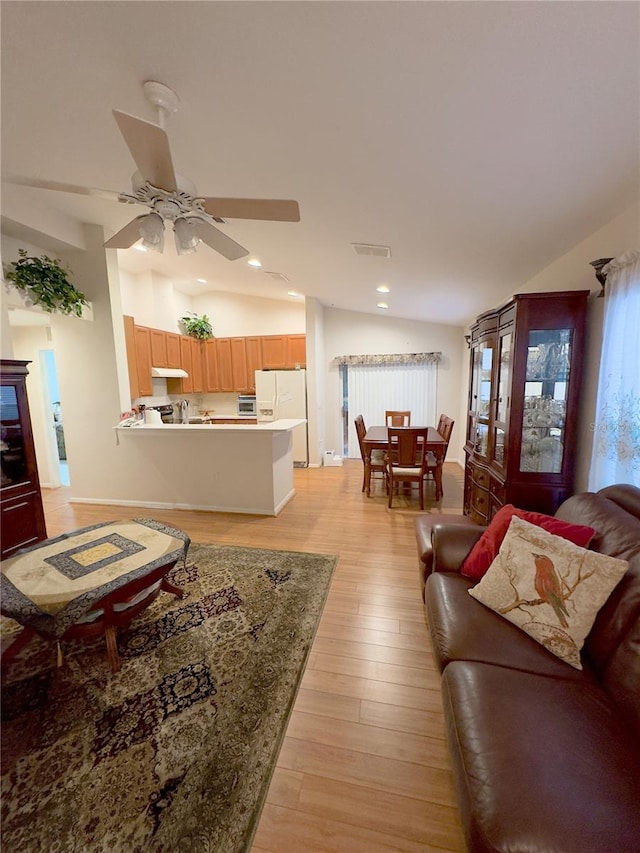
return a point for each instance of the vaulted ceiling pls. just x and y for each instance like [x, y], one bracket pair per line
[479, 141]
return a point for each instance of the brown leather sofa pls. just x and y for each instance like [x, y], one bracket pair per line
[545, 757]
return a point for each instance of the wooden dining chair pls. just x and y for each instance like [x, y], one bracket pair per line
[406, 458]
[445, 428]
[378, 464]
[397, 418]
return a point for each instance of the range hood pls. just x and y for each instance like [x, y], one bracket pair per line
[168, 373]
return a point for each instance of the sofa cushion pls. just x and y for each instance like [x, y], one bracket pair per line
[463, 629]
[540, 763]
[486, 548]
[549, 587]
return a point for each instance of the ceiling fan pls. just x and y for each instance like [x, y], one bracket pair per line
[170, 196]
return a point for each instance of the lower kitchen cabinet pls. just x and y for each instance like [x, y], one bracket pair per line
[21, 513]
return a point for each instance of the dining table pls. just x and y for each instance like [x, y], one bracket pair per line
[377, 438]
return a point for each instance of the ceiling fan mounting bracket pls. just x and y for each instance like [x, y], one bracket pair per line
[162, 98]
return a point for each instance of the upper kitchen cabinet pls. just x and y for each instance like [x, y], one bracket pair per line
[165, 349]
[211, 383]
[239, 364]
[21, 510]
[274, 352]
[186, 363]
[297, 351]
[142, 337]
[525, 375]
[225, 371]
[197, 366]
[254, 361]
[283, 352]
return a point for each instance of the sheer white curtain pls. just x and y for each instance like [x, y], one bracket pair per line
[374, 388]
[616, 442]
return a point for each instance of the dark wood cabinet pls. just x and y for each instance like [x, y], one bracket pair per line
[525, 377]
[21, 512]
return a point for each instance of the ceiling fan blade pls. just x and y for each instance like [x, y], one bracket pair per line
[149, 147]
[278, 210]
[126, 236]
[62, 188]
[219, 241]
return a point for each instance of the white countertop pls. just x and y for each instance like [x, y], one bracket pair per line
[270, 426]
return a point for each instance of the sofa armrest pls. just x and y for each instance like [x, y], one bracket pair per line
[452, 543]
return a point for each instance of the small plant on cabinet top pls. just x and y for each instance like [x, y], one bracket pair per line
[197, 327]
[43, 281]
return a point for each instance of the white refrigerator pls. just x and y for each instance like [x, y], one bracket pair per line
[283, 394]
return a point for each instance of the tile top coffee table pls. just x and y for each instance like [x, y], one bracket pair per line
[90, 581]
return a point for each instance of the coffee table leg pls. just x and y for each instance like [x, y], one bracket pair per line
[174, 590]
[112, 648]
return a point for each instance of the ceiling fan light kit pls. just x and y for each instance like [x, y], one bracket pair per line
[187, 240]
[170, 196]
[152, 232]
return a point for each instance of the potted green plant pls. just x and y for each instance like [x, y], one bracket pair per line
[44, 281]
[197, 327]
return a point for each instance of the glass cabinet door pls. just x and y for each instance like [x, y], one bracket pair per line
[502, 398]
[12, 452]
[481, 396]
[545, 400]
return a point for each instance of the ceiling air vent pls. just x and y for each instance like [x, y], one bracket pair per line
[276, 276]
[371, 249]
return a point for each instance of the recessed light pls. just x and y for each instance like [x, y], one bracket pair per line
[254, 262]
[382, 288]
[201, 280]
[140, 248]
[293, 293]
[382, 305]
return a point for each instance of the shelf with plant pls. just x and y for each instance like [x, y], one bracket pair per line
[45, 282]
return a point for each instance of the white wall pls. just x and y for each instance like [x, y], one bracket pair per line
[235, 314]
[152, 300]
[352, 333]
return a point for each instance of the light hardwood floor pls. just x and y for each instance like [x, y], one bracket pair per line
[364, 766]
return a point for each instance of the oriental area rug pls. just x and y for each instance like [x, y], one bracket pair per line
[174, 752]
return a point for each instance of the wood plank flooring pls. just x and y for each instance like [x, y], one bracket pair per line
[364, 766]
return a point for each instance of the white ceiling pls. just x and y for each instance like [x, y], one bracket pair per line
[479, 140]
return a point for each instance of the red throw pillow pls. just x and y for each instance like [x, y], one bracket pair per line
[486, 548]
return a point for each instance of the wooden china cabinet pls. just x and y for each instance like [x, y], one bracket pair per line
[21, 513]
[525, 376]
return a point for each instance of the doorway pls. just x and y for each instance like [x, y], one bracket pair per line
[53, 408]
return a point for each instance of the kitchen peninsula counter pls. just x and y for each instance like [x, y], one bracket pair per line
[241, 467]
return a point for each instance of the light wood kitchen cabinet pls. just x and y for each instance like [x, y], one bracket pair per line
[211, 383]
[254, 361]
[296, 351]
[172, 342]
[186, 363]
[158, 348]
[239, 364]
[284, 352]
[143, 361]
[274, 352]
[197, 366]
[225, 372]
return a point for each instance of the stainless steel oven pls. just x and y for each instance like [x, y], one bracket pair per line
[247, 405]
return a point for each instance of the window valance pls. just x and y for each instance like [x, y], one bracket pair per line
[395, 358]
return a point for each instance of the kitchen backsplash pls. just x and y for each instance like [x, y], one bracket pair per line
[219, 404]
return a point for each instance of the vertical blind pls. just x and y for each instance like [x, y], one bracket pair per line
[374, 388]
